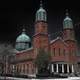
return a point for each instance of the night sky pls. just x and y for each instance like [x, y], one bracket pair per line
[14, 14]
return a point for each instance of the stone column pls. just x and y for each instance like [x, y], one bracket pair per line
[36, 70]
[25, 69]
[67, 68]
[52, 67]
[22, 69]
[48, 67]
[57, 68]
[13, 68]
[72, 68]
[62, 68]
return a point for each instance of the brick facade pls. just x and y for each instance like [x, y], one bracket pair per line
[62, 51]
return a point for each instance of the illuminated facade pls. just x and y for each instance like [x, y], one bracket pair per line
[63, 49]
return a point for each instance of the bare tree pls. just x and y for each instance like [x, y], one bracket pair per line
[6, 50]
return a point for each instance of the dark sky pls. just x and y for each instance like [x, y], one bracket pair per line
[15, 14]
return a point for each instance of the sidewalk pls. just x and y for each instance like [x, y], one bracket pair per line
[14, 78]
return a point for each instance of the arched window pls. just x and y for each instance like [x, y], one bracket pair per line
[39, 16]
[36, 16]
[44, 16]
[59, 52]
[64, 52]
[71, 24]
[54, 51]
[67, 23]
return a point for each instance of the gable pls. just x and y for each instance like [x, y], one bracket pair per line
[58, 42]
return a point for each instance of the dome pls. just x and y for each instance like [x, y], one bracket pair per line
[67, 22]
[23, 41]
[41, 10]
[41, 14]
[67, 18]
[23, 38]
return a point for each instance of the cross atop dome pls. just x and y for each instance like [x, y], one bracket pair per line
[67, 14]
[41, 5]
[23, 30]
[23, 40]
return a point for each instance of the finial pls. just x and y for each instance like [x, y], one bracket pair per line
[41, 3]
[23, 30]
[67, 14]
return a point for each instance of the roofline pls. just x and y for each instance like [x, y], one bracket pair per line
[24, 50]
[58, 38]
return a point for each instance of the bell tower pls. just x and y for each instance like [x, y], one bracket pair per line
[68, 31]
[40, 38]
[41, 20]
[69, 38]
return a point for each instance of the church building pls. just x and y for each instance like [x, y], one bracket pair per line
[63, 49]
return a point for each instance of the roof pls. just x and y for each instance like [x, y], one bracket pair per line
[67, 18]
[41, 10]
[23, 38]
[24, 50]
[58, 38]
